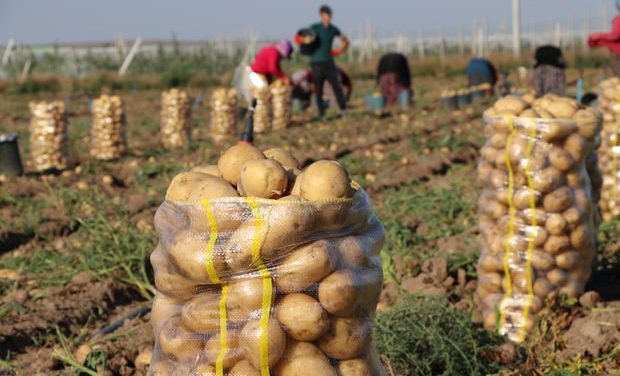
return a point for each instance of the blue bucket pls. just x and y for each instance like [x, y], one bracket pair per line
[405, 100]
[375, 102]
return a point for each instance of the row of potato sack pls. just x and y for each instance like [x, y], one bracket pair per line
[609, 151]
[262, 268]
[108, 129]
[537, 211]
[273, 106]
[48, 136]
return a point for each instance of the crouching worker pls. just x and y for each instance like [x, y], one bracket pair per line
[394, 78]
[266, 68]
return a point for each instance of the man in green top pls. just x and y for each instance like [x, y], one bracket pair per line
[322, 59]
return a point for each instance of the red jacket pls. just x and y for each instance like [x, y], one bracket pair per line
[610, 40]
[267, 62]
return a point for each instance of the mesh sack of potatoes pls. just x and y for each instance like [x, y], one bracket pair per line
[609, 150]
[262, 269]
[48, 136]
[263, 113]
[176, 125]
[223, 113]
[536, 214]
[281, 101]
[108, 130]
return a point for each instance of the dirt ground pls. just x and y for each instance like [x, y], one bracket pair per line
[75, 284]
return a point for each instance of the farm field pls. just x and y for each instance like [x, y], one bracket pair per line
[76, 284]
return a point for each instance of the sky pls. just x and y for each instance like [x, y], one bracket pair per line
[60, 21]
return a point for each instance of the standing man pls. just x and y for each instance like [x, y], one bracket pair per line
[610, 40]
[322, 58]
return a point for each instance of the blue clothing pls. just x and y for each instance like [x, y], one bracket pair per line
[480, 71]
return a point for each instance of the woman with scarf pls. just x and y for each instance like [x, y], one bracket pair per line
[393, 77]
[549, 74]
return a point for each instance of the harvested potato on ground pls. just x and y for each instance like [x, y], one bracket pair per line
[263, 178]
[244, 368]
[325, 180]
[303, 359]
[250, 342]
[232, 160]
[346, 338]
[302, 317]
[212, 170]
[354, 367]
[286, 159]
[306, 265]
[177, 341]
[233, 351]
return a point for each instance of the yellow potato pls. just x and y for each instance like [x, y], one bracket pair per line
[557, 244]
[558, 200]
[548, 180]
[295, 184]
[562, 110]
[211, 187]
[354, 367]
[346, 338]
[168, 280]
[202, 313]
[543, 288]
[339, 293]
[542, 260]
[164, 308]
[245, 298]
[529, 113]
[537, 234]
[303, 359]
[244, 368]
[177, 341]
[582, 237]
[302, 317]
[567, 260]
[510, 103]
[556, 224]
[522, 197]
[497, 141]
[209, 170]
[187, 252]
[556, 130]
[573, 289]
[201, 369]
[286, 159]
[263, 178]
[306, 265]
[233, 351]
[352, 251]
[183, 184]
[577, 147]
[573, 217]
[491, 263]
[325, 180]
[589, 122]
[161, 368]
[557, 276]
[250, 341]
[232, 160]
[489, 153]
[561, 159]
[284, 226]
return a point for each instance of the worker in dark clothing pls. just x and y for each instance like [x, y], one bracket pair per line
[322, 58]
[393, 77]
[549, 74]
[481, 71]
[302, 82]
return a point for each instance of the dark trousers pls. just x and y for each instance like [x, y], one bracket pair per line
[329, 72]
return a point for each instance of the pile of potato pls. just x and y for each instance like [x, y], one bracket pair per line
[609, 151]
[108, 130]
[48, 136]
[265, 269]
[281, 104]
[223, 113]
[263, 113]
[176, 124]
[537, 214]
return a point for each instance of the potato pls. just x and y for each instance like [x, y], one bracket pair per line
[581, 237]
[187, 252]
[558, 200]
[577, 147]
[491, 263]
[558, 277]
[250, 342]
[522, 197]
[338, 293]
[562, 110]
[177, 341]
[573, 217]
[212, 170]
[263, 178]
[556, 224]
[232, 160]
[245, 298]
[305, 266]
[548, 180]
[497, 141]
[244, 368]
[164, 308]
[302, 317]
[354, 367]
[284, 227]
[489, 153]
[529, 113]
[325, 180]
[352, 251]
[491, 282]
[510, 103]
[211, 187]
[295, 189]
[543, 288]
[346, 338]
[201, 369]
[233, 351]
[561, 159]
[286, 159]
[537, 233]
[303, 359]
[202, 313]
[556, 130]
[542, 260]
[168, 280]
[557, 244]
[573, 289]
[589, 121]
[567, 260]
[183, 184]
